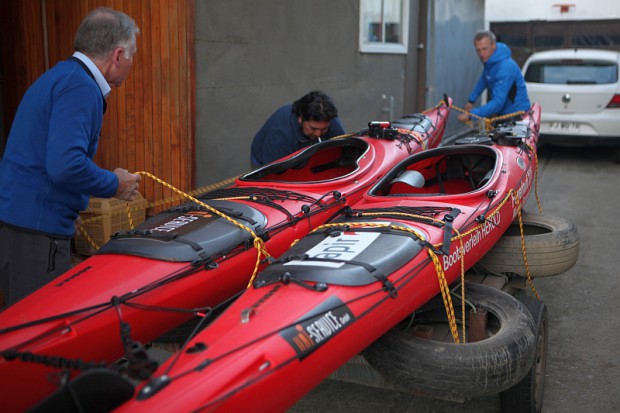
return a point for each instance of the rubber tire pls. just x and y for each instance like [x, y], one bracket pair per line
[552, 247]
[460, 371]
[527, 395]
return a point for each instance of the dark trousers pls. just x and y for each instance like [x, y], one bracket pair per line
[29, 260]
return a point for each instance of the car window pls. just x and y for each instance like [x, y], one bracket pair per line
[572, 71]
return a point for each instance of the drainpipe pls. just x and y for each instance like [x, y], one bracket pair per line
[390, 106]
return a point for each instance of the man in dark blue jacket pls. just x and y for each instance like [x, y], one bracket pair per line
[501, 77]
[309, 120]
[47, 172]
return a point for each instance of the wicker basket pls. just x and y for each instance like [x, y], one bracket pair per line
[105, 217]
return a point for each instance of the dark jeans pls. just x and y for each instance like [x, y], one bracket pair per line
[29, 260]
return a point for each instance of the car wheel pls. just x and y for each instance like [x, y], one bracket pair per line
[452, 371]
[552, 247]
[527, 395]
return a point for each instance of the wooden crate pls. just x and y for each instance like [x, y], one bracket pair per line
[105, 217]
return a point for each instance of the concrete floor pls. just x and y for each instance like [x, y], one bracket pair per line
[582, 185]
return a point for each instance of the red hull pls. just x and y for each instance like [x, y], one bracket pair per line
[311, 311]
[89, 326]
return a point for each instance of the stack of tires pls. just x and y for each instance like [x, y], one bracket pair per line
[511, 358]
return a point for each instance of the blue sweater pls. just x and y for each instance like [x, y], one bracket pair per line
[281, 135]
[503, 78]
[47, 173]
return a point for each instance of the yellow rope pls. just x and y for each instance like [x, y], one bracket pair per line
[85, 234]
[415, 136]
[194, 192]
[438, 268]
[258, 242]
[463, 315]
[488, 122]
[445, 294]
[346, 135]
[441, 277]
[129, 217]
[523, 250]
[536, 180]
[81, 224]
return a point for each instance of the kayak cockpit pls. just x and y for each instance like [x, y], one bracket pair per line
[443, 171]
[324, 161]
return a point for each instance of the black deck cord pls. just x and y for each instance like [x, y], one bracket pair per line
[426, 213]
[270, 203]
[188, 270]
[388, 286]
[384, 230]
[287, 277]
[483, 217]
[261, 196]
[17, 327]
[447, 230]
[155, 384]
[306, 213]
[140, 365]
[50, 361]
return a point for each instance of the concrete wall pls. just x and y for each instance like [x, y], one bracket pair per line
[254, 56]
[251, 59]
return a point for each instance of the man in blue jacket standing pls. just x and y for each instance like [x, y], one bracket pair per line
[501, 77]
[47, 172]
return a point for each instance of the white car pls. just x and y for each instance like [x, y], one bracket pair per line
[579, 94]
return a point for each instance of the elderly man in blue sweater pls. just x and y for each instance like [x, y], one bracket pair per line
[47, 172]
[501, 76]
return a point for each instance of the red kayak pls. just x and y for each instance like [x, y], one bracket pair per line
[342, 286]
[190, 259]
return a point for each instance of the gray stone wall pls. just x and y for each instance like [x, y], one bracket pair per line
[254, 56]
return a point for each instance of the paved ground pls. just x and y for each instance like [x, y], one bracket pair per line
[583, 370]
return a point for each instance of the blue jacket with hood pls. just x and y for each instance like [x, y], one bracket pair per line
[503, 79]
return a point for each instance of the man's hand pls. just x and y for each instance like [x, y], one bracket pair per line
[127, 184]
[464, 117]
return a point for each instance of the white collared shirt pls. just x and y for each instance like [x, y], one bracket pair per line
[103, 84]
